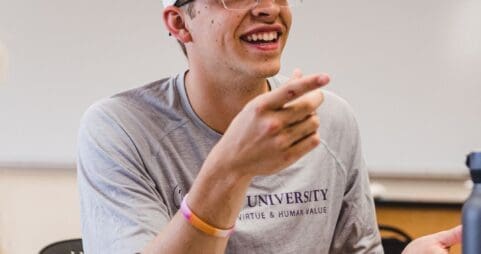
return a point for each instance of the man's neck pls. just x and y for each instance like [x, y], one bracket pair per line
[218, 99]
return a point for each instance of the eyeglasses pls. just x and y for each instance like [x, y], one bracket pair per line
[246, 4]
[249, 4]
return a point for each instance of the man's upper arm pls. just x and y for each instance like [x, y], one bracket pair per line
[356, 229]
[121, 209]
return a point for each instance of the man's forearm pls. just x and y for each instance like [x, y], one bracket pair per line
[217, 198]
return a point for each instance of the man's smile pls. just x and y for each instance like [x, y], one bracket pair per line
[263, 37]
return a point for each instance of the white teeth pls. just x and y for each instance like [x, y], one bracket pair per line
[269, 36]
[272, 36]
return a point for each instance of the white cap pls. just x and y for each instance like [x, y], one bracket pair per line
[168, 2]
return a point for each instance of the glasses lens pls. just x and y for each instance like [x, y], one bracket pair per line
[293, 3]
[238, 4]
[248, 4]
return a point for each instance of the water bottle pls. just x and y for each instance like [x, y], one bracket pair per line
[472, 208]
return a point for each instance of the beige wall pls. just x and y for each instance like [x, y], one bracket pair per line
[37, 207]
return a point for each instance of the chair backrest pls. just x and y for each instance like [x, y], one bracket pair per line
[72, 246]
[394, 240]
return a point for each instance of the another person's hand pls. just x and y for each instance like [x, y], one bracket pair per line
[438, 243]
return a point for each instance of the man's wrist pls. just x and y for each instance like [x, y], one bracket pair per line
[218, 195]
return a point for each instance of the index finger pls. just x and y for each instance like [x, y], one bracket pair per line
[294, 89]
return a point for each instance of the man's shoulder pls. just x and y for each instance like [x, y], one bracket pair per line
[154, 101]
[158, 86]
[157, 91]
[336, 105]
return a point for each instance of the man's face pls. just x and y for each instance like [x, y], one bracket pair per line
[246, 42]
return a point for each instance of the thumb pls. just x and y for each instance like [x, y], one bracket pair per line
[450, 237]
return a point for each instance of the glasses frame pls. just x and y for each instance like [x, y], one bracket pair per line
[256, 4]
[180, 3]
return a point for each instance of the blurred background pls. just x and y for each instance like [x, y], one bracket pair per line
[410, 69]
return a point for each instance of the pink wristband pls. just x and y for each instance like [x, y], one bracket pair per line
[200, 224]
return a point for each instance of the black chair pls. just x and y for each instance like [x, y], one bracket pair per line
[72, 246]
[394, 240]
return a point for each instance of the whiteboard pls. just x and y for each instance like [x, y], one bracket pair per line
[411, 70]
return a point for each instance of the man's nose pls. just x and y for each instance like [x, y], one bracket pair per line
[266, 8]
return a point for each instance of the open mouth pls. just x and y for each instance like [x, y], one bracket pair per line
[262, 37]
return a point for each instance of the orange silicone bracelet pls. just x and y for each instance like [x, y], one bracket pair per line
[200, 224]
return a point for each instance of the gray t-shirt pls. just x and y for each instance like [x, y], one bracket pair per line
[139, 152]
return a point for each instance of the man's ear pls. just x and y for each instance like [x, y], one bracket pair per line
[174, 21]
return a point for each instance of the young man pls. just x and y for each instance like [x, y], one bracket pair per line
[267, 169]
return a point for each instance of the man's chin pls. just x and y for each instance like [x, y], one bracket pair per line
[268, 71]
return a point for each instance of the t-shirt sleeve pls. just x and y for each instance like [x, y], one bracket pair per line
[121, 209]
[356, 229]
